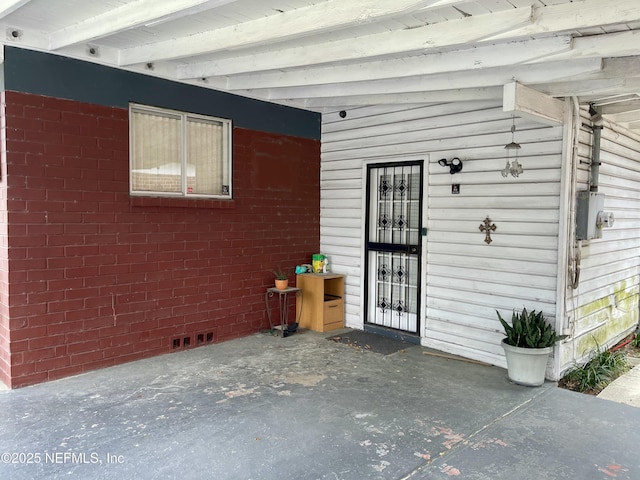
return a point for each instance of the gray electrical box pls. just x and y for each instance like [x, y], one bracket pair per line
[590, 215]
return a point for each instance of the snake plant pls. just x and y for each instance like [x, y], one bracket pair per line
[529, 330]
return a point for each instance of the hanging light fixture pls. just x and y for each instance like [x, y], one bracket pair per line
[512, 167]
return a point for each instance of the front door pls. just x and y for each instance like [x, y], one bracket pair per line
[393, 245]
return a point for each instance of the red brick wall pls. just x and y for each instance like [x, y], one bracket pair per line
[97, 278]
[5, 351]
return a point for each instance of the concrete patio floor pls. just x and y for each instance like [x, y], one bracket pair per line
[302, 407]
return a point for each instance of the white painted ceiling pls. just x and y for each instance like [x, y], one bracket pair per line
[330, 55]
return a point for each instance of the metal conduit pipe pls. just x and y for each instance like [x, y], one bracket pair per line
[596, 120]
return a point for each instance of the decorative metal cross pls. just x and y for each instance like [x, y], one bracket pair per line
[487, 227]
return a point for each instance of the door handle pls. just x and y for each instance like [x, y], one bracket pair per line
[413, 249]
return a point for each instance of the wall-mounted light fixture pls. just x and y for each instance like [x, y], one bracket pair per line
[512, 167]
[455, 164]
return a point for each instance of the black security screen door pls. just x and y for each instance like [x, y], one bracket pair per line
[393, 245]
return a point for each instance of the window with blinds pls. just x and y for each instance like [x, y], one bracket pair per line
[179, 154]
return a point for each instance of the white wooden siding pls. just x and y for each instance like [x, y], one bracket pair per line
[604, 307]
[466, 279]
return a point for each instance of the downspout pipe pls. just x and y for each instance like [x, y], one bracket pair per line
[596, 120]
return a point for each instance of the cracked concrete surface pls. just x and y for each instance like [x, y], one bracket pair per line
[302, 407]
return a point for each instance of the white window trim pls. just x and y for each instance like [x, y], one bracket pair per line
[227, 129]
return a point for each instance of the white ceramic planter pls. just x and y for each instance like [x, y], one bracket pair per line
[526, 366]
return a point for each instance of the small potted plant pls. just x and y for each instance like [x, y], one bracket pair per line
[528, 343]
[282, 278]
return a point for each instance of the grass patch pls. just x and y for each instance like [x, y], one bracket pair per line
[601, 369]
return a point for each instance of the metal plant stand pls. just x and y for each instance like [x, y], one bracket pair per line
[284, 329]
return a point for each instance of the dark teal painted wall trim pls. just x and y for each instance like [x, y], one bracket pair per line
[54, 76]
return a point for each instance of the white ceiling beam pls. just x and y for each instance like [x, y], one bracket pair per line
[442, 3]
[618, 44]
[628, 116]
[622, 44]
[620, 107]
[455, 95]
[578, 15]
[128, 16]
[589, 89]
[10, 6]
[529, 103]
[536, 73]
[423, 39]
[504, 25]
[488, 56]
[323, 16]
[612, 68]
[618, 76]
[36, 40]
[621, 67]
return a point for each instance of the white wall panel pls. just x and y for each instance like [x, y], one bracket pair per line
[604, 307]
[466, 279]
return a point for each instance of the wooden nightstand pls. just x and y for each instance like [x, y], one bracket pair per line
[321, 307]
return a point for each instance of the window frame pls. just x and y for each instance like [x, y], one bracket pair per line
[227, 151]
